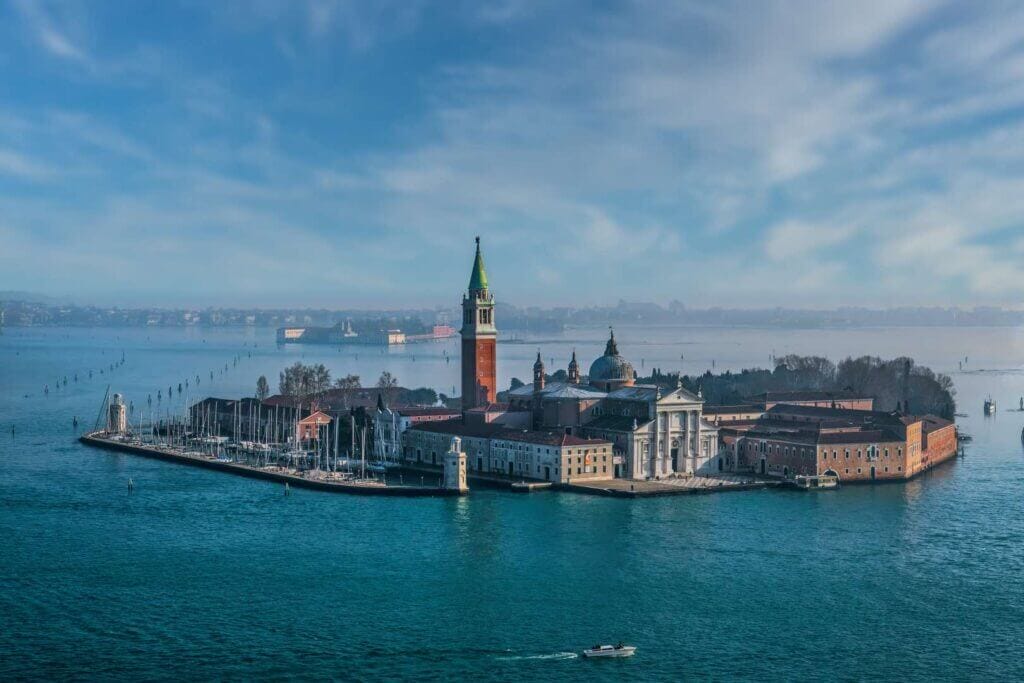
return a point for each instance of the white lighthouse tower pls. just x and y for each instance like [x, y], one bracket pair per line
[455, 467]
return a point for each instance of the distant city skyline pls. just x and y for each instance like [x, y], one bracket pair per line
[343, 155]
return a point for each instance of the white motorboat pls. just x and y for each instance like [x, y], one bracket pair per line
[619, 650]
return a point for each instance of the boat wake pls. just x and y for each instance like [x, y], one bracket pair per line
[554, 656]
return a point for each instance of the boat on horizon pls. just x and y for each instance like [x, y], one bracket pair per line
[990, 406]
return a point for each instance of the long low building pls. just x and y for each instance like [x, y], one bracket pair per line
[495, 449]
[755, 407]
[854, 445]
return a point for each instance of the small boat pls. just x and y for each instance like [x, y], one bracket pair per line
[815, 482]
[619, 650]
[990, 406]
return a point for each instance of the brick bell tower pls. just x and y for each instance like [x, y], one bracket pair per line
[479, 340]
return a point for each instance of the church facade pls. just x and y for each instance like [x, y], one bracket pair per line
[616, 427]
[656, 433]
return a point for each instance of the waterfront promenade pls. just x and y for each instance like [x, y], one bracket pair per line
[628, 488]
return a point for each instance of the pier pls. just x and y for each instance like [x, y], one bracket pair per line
[626, 488]
[276, 474]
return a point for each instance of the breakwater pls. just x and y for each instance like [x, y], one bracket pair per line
[363, 488]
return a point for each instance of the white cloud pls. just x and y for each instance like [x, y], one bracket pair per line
[689, 136]
[14, 164]
[52, 39]
[793, 239]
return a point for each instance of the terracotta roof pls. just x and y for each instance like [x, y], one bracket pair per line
[495, 431]
[932, 423]
[850, 415]
[426, 412]
[317, 417]
[547, 438]
[725, 410]
[839, 395]
[457, 427]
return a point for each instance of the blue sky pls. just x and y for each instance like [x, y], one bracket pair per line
[345, 153]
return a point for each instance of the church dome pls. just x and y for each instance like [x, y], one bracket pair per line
[611, 368]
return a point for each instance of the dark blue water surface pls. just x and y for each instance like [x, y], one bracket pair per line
[198, 574]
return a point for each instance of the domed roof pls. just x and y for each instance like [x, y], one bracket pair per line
[611, 366]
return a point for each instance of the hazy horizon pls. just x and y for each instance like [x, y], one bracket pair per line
[343, 155]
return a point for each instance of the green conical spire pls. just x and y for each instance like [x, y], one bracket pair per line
[478, 279]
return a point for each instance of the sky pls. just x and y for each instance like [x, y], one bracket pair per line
[344, 154]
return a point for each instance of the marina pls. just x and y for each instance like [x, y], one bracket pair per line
[334, 482]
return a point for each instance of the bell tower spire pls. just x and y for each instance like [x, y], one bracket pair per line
[574, 370]
[479, 339]
[538, 373]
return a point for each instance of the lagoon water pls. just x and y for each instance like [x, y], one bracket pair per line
[198, 575]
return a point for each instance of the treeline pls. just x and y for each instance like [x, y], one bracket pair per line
[313, 381]
[889, 382]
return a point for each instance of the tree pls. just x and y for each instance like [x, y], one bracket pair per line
[424, 396]
[320, 381]
[387, 384]
[262, 388]
[304, 380]
[347, 386]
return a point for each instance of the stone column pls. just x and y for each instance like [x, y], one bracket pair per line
[667, 466]
[655, 444]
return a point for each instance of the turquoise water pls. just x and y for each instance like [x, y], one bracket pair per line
[200, 575]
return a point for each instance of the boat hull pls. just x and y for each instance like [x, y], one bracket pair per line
[627, 651]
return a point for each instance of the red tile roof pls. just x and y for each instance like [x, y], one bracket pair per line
[490, 430]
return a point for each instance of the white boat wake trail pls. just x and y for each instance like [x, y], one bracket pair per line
[554, 656]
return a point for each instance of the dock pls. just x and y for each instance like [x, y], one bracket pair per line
[295, 480]
[628, 488]
[617, 488]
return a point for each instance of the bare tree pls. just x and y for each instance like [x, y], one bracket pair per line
[262, 388]
[347, 384]
[387, 383]
[305, 381]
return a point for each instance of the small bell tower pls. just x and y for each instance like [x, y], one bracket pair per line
[574, 370]
[538, 373]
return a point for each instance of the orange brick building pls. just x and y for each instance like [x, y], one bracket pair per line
[855, 445]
